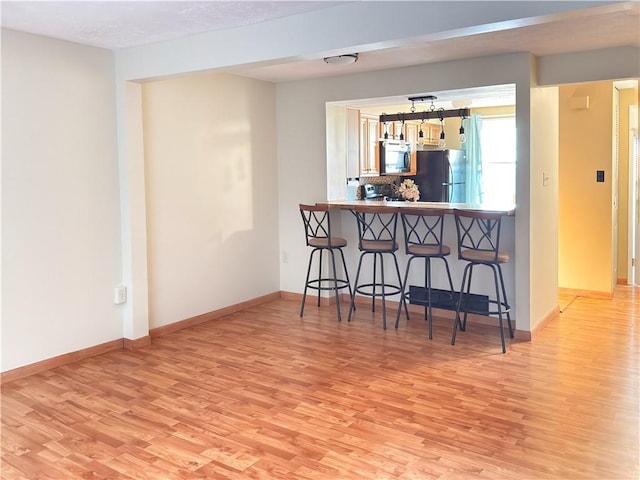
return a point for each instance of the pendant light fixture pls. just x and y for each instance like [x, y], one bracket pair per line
[385, 137]
[442, 143]
[433, 112]
[440, 113]
[462, 138]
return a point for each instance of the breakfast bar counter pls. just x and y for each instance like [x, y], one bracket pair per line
[448, 207]
[346, 224]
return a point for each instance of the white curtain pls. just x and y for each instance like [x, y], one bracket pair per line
[473, 127]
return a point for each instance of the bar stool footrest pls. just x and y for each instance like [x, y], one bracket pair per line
[316, 284]
[389, 289]
[474, 307]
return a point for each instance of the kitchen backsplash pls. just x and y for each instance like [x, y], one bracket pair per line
[386, 179]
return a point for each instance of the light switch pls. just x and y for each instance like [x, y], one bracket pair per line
[545, 179]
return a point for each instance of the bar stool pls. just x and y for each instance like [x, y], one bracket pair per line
[317, 228]
[377, 236]
[479, 244]
[423, 233]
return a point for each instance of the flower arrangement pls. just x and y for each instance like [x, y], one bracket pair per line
[409, 190]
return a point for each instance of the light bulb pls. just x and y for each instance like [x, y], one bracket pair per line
[442, 142]
[420, 136]
[462, 138]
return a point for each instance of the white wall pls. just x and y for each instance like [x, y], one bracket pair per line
[60, 218]
[544, 136]
[210, 169]
[589, 66]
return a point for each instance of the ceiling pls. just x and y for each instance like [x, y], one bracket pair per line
[123, 24]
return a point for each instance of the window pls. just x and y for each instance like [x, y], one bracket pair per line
[498, 143]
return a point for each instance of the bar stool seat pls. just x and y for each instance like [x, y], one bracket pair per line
[377, 237]
[317, 227]
[423, 234]
[479, 244]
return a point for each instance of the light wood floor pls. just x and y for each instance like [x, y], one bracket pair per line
[263, 394]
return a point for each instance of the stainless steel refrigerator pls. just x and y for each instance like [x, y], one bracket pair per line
[441, 175]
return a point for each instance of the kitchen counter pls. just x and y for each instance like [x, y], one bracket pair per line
[449, 207]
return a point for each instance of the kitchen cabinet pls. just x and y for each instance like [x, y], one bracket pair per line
[411, 136]
[393, 129]
[388, 128]
[430, 132]
[433, 136]
[399, 128]
[353, 143]
[369, 155]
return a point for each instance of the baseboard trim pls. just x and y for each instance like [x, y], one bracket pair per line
[132, 345]
[313, 297]
[60, 360]
[205, 317]
[126, 343]
[535, 331]
[585, 293]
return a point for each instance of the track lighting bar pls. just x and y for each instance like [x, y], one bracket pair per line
[426, 115]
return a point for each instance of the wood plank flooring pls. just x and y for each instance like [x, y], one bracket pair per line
[263, 394]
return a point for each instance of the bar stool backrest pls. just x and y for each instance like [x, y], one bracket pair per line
[377, 226]
[317, 226]
[423, 227]
[479, 236]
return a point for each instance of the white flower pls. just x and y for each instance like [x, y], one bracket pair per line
[409, 190]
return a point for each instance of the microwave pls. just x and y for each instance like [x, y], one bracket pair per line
[395, 157]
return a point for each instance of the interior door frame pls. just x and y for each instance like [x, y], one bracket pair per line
[633, 249]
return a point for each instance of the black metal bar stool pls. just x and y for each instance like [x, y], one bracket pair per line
[479, 244]
[423, 233]
[317, 228]
[377, 236]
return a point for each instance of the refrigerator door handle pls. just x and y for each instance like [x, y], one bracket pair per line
[451, 182]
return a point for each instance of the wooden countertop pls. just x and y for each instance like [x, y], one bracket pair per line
[449, 207]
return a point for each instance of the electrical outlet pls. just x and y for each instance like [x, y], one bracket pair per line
[120, 294]
[545, 179]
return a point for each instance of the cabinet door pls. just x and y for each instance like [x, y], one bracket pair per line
[411, 131]
[364, 169]
[353, 143]
[372, 145]
[398, 128]
[434, 134]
